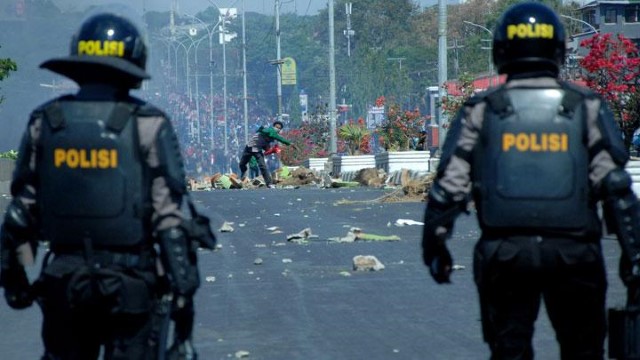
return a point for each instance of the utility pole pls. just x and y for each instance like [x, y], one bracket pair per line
[456, 60]
[332, 83]
[488, 47]
[278, 59]
[224, 82]
[348, 33]
[442, 68]
[244, 77]
[172, 16]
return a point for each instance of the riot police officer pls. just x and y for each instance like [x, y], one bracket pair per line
[536, 155]
[100, 178]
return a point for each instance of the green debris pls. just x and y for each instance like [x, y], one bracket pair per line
[285, 173]
[223, 182]
[348, 184]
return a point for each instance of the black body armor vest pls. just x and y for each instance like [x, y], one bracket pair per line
[92, 185]
[531, 168]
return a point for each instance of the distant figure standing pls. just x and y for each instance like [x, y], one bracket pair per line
[256, 146]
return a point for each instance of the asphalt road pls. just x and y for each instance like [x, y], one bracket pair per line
[304, 301]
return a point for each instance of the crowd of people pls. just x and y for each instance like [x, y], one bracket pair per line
[203, 140]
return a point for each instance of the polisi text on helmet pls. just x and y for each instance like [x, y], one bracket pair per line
[101, 48]
[530, 31]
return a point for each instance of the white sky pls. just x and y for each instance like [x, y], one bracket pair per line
[302, 7]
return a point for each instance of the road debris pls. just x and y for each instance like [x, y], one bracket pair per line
[367, 263]
[403, 222]
[355, 234]
[301, 237]
[226, 227]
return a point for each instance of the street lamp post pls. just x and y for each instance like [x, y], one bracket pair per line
[222, 18]
[210, 32]
[486, 48]
[593, 29]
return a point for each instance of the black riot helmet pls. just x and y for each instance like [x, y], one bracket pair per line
[107, 48]
[528, 36]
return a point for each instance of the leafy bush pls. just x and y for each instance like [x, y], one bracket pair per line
[11, 154]
[356, 137]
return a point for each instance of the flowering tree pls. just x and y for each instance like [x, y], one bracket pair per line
[612, 69]
[400, 126]
[311, 139]
[451, 104]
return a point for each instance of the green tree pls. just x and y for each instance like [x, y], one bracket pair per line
[6, 67]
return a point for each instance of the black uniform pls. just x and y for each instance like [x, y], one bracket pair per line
[100, 178]
[535, 155]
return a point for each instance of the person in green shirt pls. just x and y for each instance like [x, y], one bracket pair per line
[256, 146]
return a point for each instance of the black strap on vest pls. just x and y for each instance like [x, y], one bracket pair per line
[117, 120]
[119, 117]
[500, 103]
[55, 115]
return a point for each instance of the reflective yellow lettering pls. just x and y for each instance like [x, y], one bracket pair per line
[565, 142]
[103, 158]
[114, 158]
[522, 142]
[101, 48]
[508, 140]
[535, 145]
[58, 157]
[84, 162]
[554, 142]
[522, 30]
[529, 31]
[73, 158]
[511, 31]
[93, 159]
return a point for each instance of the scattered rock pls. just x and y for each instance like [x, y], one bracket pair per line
[226, 227]
[371, 177]
[301, 237]
[367, 263]
[257, 261]
[241, 354]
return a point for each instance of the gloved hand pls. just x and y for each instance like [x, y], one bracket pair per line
[17, 290]
[629, 272]
[437, 257]
[438, 225]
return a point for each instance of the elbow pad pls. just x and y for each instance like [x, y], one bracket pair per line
[622, 212]
[179, 259]
[19, 227]
[171, 165]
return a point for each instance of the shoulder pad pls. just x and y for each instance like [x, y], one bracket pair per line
[148, 110]
[51, 111]
[582, 90]
[482, 96]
